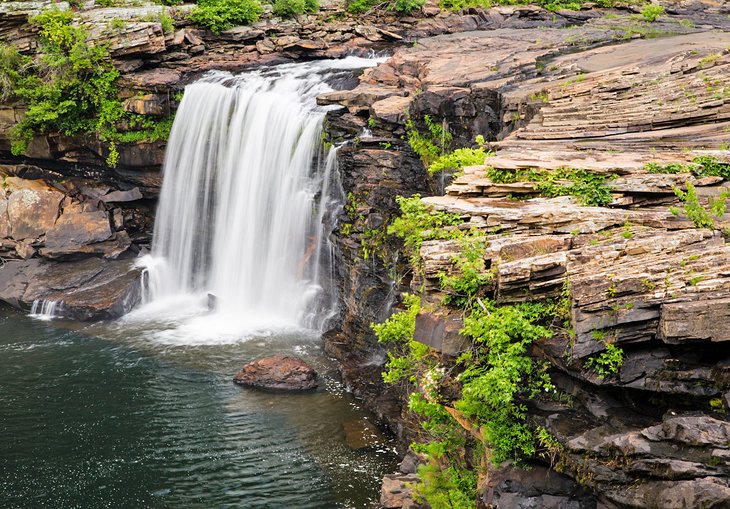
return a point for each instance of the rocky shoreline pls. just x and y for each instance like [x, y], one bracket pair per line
[578, 90]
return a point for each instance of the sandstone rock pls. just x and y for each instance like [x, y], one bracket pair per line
[441, 333]
[4, 220]
[278, 372]
[91, 289]
[396, 491]
[32, 211]
[76, 229]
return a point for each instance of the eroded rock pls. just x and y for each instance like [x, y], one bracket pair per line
[278, 372]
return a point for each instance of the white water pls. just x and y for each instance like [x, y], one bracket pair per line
[247, 190]
[46, 309]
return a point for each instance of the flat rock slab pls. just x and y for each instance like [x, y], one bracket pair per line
[90, 289]
[278, 372]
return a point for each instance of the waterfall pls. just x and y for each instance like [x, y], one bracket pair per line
[248, 189]
[46, 309]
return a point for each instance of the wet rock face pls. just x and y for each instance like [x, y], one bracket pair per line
[278, 372]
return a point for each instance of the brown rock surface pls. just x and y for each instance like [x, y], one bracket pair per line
[278, 372]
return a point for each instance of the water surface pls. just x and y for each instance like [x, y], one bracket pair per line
[109, 416]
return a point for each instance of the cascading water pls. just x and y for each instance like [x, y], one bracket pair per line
[247, 190]
[46, 309]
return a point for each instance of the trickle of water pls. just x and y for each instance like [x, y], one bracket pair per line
[247, 193]
[46, 309]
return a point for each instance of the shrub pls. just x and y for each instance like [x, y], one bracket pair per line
[606, 363]
[70, 88]
[220, 15]
[289, 8]
[652, 12]
[418, 223]
[407, 5]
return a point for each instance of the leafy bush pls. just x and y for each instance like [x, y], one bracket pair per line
[458, 159]
[652, 12]
[405, 354]
[431, 145]
[418, 223]
[501, 372]
[70, 88]
[13, 66]
[407, 5]
[462, 288]
[289, 8]
[701, 217]
[701, 166]
[606, 363]
[220, 15]
[360, 6]
[589, 188]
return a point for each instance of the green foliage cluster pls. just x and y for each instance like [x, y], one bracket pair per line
[460, 158]
[405, 355]
[360, 6]
[701, 166]
[70, 88]
[13, 66]
[590, 189]
[651, 12]
[551, 5]
[500, 374]
[701, 217]
[607, 362]
[418, 223]
[431, 145]
[487, 423]
[462, 288]
[220, 15]
[290, 8]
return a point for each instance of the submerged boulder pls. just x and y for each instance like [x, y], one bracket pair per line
[278, 372]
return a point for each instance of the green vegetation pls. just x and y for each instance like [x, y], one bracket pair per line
[462, 289]
[70, 88]
[290, 8]
[429, 146]
[432, 147]
[701, 217]
[397, 331]
[418, 223]
[607, 362]
[220, 15]
[651, 12]
[551, 5]
[481, 419]
[360, 6]
[701, 166]
[590, 189]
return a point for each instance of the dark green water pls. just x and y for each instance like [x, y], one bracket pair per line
[103, 417]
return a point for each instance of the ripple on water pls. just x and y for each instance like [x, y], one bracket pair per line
[107, 418]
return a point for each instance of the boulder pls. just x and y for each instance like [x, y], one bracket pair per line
[278, 372]
[32, 211]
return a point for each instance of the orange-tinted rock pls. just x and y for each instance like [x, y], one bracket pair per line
[278, 372]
